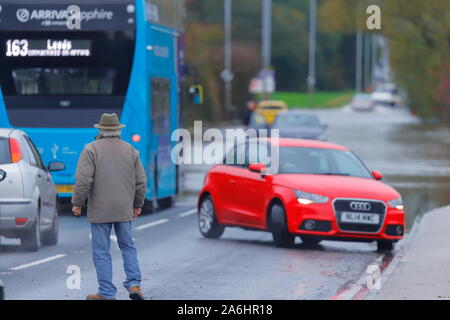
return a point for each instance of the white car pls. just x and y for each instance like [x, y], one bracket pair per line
[362, 102]
[27, 193]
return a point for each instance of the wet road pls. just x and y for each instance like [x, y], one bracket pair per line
[177, 263]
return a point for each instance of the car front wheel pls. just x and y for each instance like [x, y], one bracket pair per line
[207, 220]
[385, 245]
[281, 236]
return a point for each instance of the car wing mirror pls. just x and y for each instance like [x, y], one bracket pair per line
[56, 166]
[257, 167]
[377, 175]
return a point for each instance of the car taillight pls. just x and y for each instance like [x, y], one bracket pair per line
[15, 149]
[21, 221]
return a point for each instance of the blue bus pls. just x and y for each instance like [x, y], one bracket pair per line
[65, 62]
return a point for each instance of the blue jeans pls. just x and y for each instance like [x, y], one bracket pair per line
[101, 233]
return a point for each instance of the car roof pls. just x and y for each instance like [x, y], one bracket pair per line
[272, 103]
[303, 143]
[6, 132]
[297, 112]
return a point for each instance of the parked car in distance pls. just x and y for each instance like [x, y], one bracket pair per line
[301, 125]
[27, 193]
[321, 191]
[362, 102]
[386, 94]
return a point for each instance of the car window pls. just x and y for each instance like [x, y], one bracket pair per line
[348, 163]
[36, 154]
[258, 153]
[290, 120]
[236, 156]
[5, 155]
[27, 153]
[299, 160]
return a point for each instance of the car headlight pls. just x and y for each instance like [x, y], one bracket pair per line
[396, 204]
[308, 198]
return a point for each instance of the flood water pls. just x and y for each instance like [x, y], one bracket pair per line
[414, 158]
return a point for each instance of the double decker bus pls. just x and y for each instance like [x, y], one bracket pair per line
[65, 62]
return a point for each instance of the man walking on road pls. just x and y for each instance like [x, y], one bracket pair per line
[110, 176]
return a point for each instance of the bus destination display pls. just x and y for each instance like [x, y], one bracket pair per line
[47, 48]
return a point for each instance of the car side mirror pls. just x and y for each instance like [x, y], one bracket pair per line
[56, 166]
[377, 175]
[257, 167]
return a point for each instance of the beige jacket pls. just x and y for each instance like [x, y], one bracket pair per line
[111, 177]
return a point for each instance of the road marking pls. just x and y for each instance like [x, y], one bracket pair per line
[35, 263]
[187, 213]
[151, 224]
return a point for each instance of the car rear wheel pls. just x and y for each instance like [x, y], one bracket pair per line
[165, 203]
[385, 245]
[31, 241]
[281, 236]
[207, 220]
[50, 238]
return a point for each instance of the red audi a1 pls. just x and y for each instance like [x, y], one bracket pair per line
[321, 191]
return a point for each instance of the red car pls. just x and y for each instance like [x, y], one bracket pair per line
[321, 191]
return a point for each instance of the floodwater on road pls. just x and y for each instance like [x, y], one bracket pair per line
[414, 158]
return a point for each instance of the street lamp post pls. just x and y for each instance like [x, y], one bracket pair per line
[312, 51]
[227, 74]
[267, 34]
[359, 60]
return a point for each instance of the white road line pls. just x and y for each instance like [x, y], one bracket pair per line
[151, 224]
[35, 263]
[187, 213]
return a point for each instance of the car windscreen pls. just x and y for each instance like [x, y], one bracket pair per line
[5, 156]
[290, 120]
[362, 97]
[321, 161]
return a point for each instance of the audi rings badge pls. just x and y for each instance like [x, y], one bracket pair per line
[360, 206]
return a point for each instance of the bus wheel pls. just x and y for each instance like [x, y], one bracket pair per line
[149, 207]
[165, 203]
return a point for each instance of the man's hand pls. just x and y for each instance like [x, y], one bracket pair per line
[76, 211]
[136, 212]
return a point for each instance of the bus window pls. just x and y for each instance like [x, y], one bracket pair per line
[169, 13]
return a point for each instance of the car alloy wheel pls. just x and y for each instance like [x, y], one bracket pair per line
[207, 222]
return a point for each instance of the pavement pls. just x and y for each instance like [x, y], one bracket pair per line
[423, 271]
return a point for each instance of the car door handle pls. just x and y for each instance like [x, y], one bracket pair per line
[39, 175]
[233, 182]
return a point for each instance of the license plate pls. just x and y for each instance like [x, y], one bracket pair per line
[359, 217]
[64, 188]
